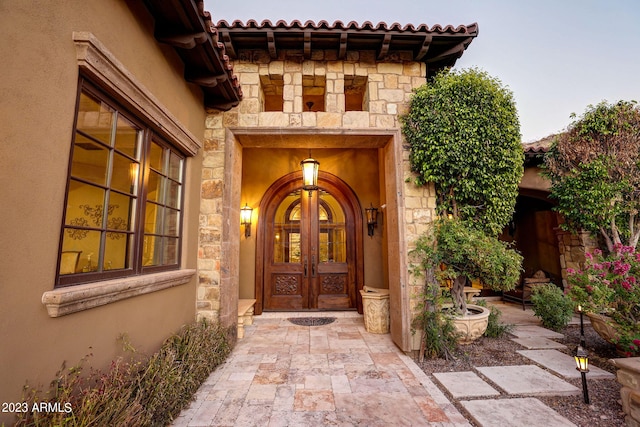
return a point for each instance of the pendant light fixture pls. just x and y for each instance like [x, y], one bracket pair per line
[309, 174]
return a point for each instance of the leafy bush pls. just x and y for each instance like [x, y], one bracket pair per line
[594, 169]
[610, 285]
[495, 328]
[439, 336]
[464, 135]
[136, 392]
[460, 252]
[551, 306]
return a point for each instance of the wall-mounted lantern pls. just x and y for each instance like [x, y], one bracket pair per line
[245, 219]
[372, 219]
[310, 174]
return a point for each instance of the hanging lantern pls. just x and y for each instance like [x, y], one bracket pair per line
[310, 174]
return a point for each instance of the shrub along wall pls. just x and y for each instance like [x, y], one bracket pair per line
[141, 391]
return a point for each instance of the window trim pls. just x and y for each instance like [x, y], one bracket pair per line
[101, 66]
[72, 299]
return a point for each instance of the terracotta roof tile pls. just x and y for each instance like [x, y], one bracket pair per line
[471, 29]
[437, 46]
[541, 146]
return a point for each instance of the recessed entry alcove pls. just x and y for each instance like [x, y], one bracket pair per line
[365, 164]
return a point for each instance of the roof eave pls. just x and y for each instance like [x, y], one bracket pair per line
[437, 46]
[187, 27]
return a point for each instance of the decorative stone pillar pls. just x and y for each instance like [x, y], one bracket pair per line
[420, 212]
[629, 377]
[210, 236]
[572, 248]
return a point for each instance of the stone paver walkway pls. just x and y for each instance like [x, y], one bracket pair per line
[282, 374]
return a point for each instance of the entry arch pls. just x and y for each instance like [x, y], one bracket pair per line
[353, 213]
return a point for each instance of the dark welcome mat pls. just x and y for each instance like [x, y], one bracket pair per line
[311, 321]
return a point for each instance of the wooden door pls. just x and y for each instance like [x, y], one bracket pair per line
[309, 249]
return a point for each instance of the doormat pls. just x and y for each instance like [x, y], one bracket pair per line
[311, 321]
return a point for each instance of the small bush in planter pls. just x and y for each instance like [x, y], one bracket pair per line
[551, 306]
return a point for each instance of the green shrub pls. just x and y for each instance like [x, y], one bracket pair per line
[551, 306]
[439, 336]
[136, 392]
[495, 328]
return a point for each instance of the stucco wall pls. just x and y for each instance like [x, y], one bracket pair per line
[37, 98]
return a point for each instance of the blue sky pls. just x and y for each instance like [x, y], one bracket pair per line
[557, 56]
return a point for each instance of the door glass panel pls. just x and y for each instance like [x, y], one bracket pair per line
[331, 219]
[286, 230]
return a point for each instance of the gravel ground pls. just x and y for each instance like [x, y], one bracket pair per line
[605, 409]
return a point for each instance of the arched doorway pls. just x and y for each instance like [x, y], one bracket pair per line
[309, 246]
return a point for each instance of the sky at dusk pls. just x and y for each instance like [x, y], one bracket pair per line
[556, 56]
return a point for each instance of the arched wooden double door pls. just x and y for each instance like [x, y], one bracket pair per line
[309, 252]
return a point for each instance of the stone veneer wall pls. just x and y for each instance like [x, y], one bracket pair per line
[572, 248]
[388, 90]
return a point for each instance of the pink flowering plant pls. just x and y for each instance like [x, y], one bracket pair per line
[610, 285]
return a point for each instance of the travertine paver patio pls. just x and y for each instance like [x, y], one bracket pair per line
[281, 374]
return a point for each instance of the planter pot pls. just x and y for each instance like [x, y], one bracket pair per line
[604, 326]
[472, 325]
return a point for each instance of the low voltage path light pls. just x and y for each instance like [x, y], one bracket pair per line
[582, 340]
[372, 219]
[582, 365]
[245, 219]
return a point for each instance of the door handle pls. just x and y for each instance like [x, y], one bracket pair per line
[313, 266]
[306, 261]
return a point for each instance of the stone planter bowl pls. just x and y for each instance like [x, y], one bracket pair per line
[472, 325]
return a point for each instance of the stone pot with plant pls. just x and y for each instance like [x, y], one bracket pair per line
[463, 253]
[607, 289]
[464, 138]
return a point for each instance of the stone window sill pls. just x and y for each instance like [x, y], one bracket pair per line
[73, 299]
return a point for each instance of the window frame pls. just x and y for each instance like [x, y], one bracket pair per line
[148, 136]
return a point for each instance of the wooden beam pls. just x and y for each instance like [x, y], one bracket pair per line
[384, 49]
[271, 43]
[456, 51]
[426, 44]
[183, 41]
[343, 46]
[228, 45]
[307, 44]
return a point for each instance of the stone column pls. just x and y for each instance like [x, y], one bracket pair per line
[210, 236]
[629, 377]
[572, 248]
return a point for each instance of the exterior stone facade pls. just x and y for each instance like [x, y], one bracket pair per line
[385, 97]
[572, 250]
